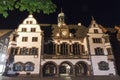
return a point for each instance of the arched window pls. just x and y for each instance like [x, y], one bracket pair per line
[18, 66]
[29, 66]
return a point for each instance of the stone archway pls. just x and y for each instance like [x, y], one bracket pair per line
[65, 69]
[49, 69]
[81, 69]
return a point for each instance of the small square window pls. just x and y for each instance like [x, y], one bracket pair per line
[31, 22]
[24, 39]
[27, 22]
[24, 29]
[33, 29]
[34, 39]
[95, 30]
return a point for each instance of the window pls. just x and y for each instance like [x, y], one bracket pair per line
[24, 51]
[27, 22]
[64, 48]
[34, 39]
[97, 40]
[94, 25]
[99, 51]
[18, 66]
[109, 50]
[31, 22]
[24, 29]
[24, 39]
[29, 66]
[34, 51]
[76, 49]
[103, 65]
[95, 30]
[33, 29]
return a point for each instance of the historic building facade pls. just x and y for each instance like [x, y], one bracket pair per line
[60, 49]
[25, 48]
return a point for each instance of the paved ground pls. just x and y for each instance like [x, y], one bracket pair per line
[62, 78]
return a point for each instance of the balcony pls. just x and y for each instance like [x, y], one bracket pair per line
[65, 56]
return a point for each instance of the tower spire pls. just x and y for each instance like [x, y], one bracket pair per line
[61, 10]
[61, 18]
[93, 18]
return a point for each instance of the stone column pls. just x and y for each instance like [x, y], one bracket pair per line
[73, 70]
[57, 71]
[70, 49]
[18, 51]
[57, 49]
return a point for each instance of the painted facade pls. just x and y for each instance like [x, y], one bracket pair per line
[60, 49]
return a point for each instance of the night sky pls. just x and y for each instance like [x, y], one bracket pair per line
[105, 12]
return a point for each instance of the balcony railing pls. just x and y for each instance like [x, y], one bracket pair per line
[65, 56]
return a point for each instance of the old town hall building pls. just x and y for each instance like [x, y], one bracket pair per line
[59, 49]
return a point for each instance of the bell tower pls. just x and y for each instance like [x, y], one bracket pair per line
[61, 18]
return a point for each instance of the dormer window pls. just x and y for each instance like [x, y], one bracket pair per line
[27, 22]
[24, 29]
[33, 29]
[95, 30]
[94, 25]
[31, 22]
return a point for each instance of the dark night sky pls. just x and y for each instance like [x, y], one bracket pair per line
[106, 13]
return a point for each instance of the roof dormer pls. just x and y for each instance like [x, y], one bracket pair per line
[94, 27]
[30, 20]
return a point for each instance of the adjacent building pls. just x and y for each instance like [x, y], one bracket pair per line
[60, 49]
[4, 40]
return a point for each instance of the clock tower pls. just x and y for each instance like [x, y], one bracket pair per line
[63, 28]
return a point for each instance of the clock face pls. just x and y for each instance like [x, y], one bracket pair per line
[64, 33]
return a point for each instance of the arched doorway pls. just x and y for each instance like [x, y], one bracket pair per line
[49, 69]
[65, 69]
[81, 69]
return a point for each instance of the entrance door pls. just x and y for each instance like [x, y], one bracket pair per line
[81, 69]
[65, 69]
